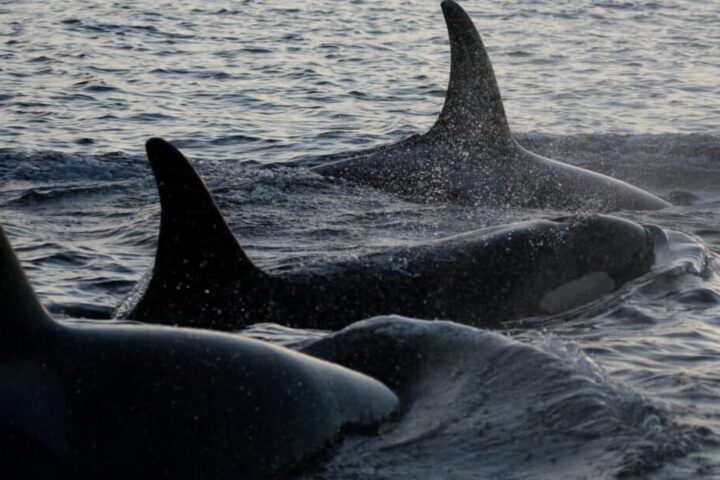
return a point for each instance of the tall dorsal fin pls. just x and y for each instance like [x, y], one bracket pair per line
[196, 252]
[192, 229]
[473, 107]
[20, 310]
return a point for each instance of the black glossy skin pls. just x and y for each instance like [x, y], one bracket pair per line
[480, 278]
[470, 156]
[122, 402]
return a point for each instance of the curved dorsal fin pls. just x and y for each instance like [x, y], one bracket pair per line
[196, 251]
[192, 229]
[473, 107]
[20, 310]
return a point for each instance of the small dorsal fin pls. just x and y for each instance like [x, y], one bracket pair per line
[20, 310]
[196, 249]
[473, 107]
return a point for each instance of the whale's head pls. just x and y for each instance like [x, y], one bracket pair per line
[589, 257]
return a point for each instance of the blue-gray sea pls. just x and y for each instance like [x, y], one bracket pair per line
[628, 386]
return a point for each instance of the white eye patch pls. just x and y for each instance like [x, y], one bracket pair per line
[577, 292]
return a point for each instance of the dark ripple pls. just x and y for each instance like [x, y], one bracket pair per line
[64, 259]
[150, 117]
[213, 75]
[99, 88]
[241, 139]
[81, 310]
[41, 59]
[701, 298]
[169, 71]
[59, 193]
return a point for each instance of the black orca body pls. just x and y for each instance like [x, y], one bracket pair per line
[202, 277]
[120, 402]
[470, 156]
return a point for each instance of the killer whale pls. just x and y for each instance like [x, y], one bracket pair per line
[470, 156]
[92, 400]
[203, 278]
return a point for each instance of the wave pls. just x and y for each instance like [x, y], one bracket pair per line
[57, 167]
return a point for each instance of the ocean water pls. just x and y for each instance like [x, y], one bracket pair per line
[626, 386]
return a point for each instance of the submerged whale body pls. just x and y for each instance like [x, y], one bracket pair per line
[202, 277]
[118, 402]
[396, 350]
[470, 156]
[391, 349]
